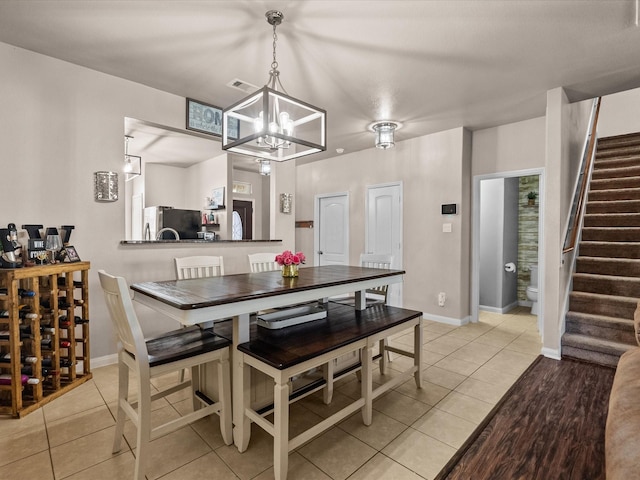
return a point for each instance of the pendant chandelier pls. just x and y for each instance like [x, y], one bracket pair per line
[265, 166]
[384, 131]
[270, 124]
[132, 163]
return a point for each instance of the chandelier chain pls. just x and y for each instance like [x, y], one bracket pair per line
[274, 64]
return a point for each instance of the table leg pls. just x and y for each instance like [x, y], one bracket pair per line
[241, 384]
[281, 429]
[417, 352]
[366, 385]
[361, 300]
[327, 373]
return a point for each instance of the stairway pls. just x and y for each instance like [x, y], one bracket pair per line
[606, 284]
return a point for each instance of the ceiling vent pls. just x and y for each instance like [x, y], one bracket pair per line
[241, 85]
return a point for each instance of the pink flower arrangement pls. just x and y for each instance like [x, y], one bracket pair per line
[289, 258]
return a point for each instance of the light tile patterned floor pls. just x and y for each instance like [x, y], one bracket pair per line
[413, 435]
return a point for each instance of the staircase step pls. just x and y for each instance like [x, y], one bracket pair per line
[615, 194]
[601, 326]
[613, 183]
[615, 141]
[612, 220]
[598, 304]
[583, 347]
[618, 172]
[610, 234]
[614, 206]
[616, 162]
[610, 249]
[607, 284]
[608, 266]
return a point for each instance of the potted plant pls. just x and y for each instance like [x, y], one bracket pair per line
[532, 197]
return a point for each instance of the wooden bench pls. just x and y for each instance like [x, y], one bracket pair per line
[283, 354]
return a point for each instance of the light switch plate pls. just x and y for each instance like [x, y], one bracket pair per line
[446, 227]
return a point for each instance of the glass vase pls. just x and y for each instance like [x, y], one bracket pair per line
[290, 270]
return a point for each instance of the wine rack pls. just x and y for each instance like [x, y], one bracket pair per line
[44, 334]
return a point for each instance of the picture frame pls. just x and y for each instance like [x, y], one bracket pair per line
[244, 188]
[217, 196]
[69, 254]
[206, 118]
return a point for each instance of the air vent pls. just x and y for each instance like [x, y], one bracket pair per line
[241, 85]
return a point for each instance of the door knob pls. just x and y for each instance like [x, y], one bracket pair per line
[319, 252]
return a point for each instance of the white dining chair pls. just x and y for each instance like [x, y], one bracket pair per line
[263, 262]
[171, 352]
[199, 266]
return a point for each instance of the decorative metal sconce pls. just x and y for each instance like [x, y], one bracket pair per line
[286, 202]
[105, 186]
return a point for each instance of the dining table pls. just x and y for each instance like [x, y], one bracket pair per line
[207, 300]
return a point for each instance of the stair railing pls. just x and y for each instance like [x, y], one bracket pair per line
[580, 194]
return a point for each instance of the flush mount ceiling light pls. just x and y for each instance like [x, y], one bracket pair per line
[265, 166]
[132, 163]
[270, 124]
[384, 133]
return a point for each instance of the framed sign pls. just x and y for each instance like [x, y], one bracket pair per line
[217, 196]
[205, 118]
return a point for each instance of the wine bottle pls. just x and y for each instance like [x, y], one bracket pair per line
[24, 311]
[46, 343]
[46, 372]
[6, 358]
[5, 379]
[28, 330]
[64, 322]
[62, 283]
[22, 292]
[65, 343]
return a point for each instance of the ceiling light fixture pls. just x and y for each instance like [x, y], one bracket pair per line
[265, 166]
[132, 163]
[269, 123]
[384, 131]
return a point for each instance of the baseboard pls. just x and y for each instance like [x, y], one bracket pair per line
[500, 310]
[458, 322]
[551, 353]
[104, 361]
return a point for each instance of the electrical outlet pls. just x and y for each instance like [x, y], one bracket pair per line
[442, 297]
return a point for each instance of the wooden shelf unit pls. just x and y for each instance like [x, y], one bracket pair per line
[65, 367]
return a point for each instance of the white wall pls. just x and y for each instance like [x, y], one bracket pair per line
[620, 113]
[60, 124]
[434, 169]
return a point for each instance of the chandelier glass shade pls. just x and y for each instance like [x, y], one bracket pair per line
[269, 123]
[265, 166]
[384, 132]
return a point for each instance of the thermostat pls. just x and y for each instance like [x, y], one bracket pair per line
[449, 209]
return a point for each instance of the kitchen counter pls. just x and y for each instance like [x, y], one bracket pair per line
[188, 241]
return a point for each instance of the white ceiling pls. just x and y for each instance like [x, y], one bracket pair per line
[432, 65]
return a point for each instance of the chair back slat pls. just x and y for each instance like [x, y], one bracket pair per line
[263, 262]
[199, 267]
[371, 260]
[123, 315]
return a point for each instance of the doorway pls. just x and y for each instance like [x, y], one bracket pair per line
[331, 236]
[383, 229]
[502, 264]
[242, 228]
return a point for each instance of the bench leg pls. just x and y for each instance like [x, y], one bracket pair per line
[281, 430]
[241, 400]
[417, 353]
[383, 356]
[366, 385]
[327, 373]
[224, 397]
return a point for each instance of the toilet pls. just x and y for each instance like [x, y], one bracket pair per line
[532, 289]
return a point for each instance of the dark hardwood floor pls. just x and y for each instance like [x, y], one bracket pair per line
[550, 425]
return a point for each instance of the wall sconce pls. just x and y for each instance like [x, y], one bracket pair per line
[384, 131]
[105, 186]
[286, 202]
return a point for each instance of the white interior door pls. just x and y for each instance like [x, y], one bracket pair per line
[384, 228]
[332, 229]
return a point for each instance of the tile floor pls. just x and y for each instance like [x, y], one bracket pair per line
[413, 434]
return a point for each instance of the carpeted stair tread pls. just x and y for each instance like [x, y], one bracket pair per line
[590, 356]
[611, 183]
[613, 141]
[610, 234]
[613, 206]
[608, 266]
[601, 326]
[615, 162]
[610, 249]
[612, 220]
[607, 284]
[615, 194]
[617, 172]
[601, 304]
[595, 344]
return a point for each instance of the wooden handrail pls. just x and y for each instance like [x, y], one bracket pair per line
[569, 246]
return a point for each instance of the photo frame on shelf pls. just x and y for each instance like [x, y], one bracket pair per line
[206, 118]
[217, 197]
[69, 254]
